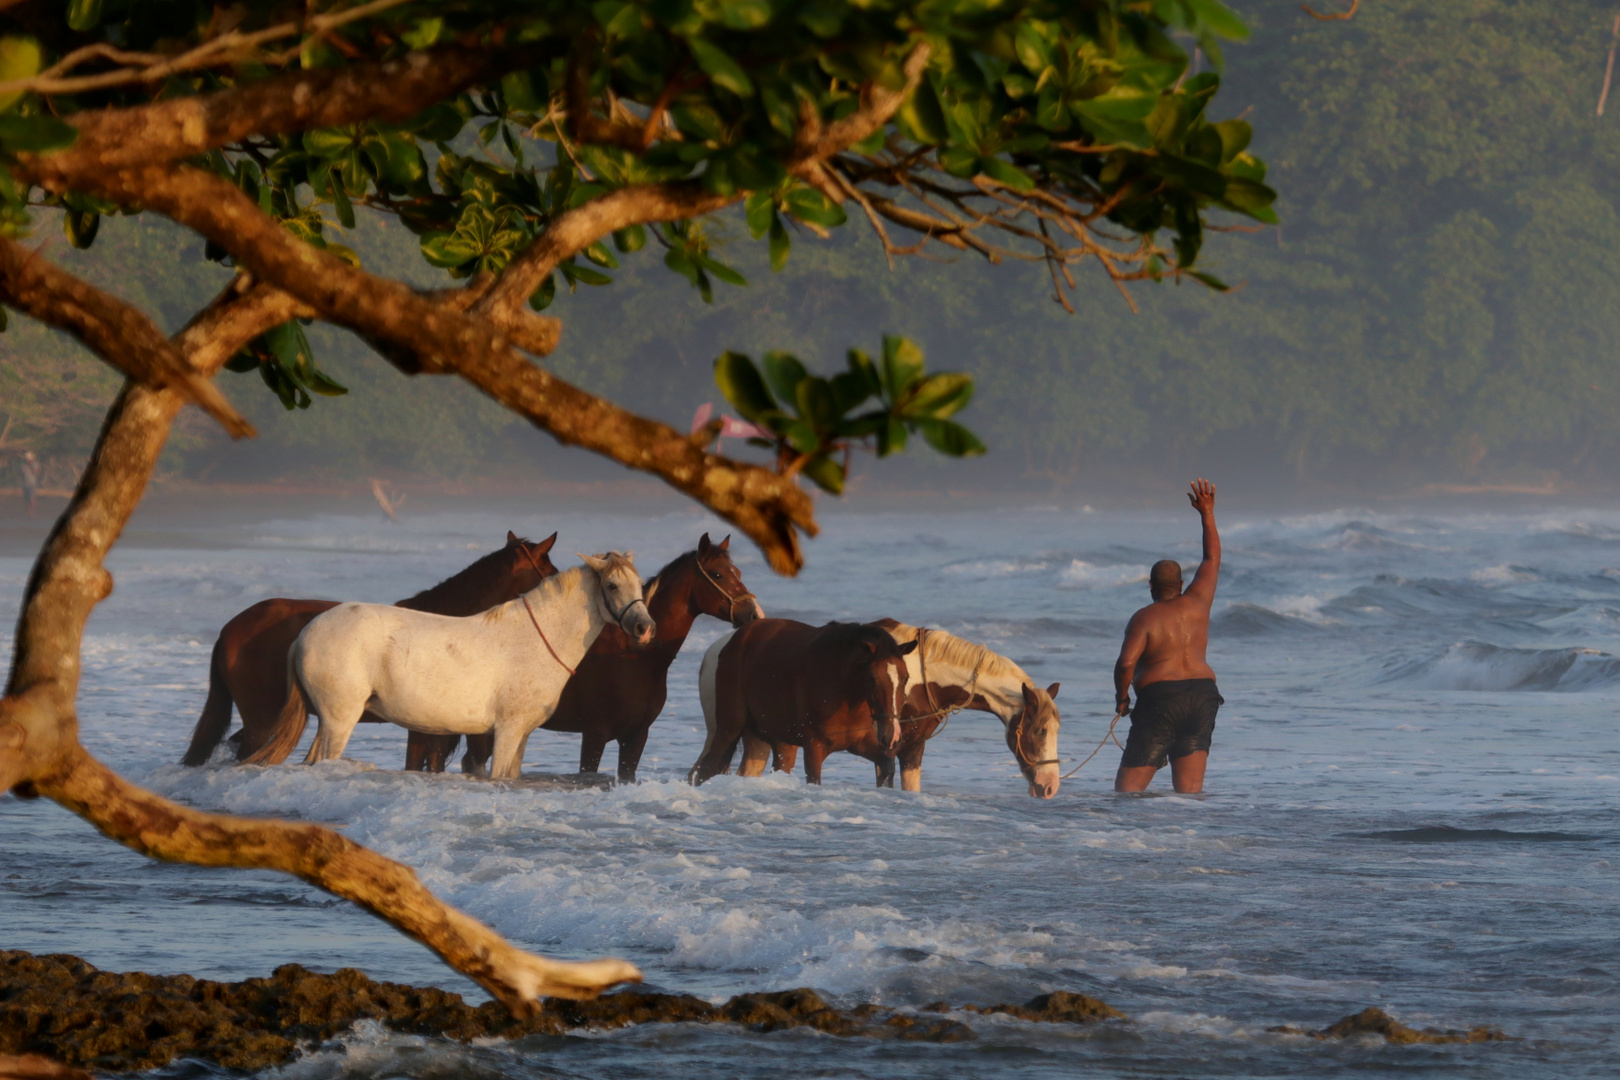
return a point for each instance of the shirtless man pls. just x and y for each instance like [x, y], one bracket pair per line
[1163, 655]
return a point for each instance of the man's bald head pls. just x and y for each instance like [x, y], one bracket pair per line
[1164, 580]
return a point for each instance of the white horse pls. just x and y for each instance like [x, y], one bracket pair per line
[503, 669]
[944, 674]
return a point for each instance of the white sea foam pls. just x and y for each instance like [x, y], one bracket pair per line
[1080, 574]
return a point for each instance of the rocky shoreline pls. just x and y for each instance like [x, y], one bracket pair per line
[61, 1008]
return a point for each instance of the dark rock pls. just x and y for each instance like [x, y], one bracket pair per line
[1375, 1021]
[68, 1011]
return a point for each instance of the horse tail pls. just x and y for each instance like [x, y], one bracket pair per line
[709, 695]
[216, 714]
[290, 724]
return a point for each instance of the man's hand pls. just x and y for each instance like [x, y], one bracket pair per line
[1202, 496]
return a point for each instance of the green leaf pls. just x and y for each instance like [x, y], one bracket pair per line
[545, 294]
[1219, 18]
[438, 123]
[780, 244]
[1249, 196]
[939, 396]
[891, 439]
[521, 94]
[447, 249]
[1235, 136]
[587, 275]
[902, 366]
[1211, 280]
[323, 384]
[825, 473]
[744, 14]
[721, 271]
[1032, 49]
[423, 32]
[739, 380]
[921, 119]
[20, 58]
[783, 374]
[720, 67]
[817, 404]
[599, 254]
[81, 228]
[950, 438]
[1007, 173]
[861, 367]
[35, 134]
[808, 204]
[242, 362]
[631, 239]
[83, 15]
[345, 210]
[760, 210]
[329, 143]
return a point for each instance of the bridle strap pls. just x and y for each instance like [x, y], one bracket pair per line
[542, 634]
[731, 601]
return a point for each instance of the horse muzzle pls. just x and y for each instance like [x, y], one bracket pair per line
[746, 612]
[638, 623]
[1043, 782]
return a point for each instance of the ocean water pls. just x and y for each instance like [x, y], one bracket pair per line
[1413, 802]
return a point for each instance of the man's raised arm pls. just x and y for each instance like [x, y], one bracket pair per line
[1202, 497]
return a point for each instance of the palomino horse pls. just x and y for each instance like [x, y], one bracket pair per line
[249, 666]
[448, 676]
[620, 688]
[825, 688]
[946, 675]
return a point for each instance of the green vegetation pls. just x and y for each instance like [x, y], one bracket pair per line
[1439, 300]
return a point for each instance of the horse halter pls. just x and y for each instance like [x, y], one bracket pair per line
[1015, 743]
[731, 601]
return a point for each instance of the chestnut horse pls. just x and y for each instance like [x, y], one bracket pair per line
[249, 666]
[619, 688]
[825, 688]
[948, 674]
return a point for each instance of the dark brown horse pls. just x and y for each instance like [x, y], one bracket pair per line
[618, 690]
[826, 688]
[249, 666]
[947, 675]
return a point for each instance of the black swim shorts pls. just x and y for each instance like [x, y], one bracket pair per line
[1171, 720]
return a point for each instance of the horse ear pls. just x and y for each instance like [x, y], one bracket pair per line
[869, 645]
[511, 538]
[647, 592]
[544, 546]
[908, 647]
[703, 545]
[1051, 691]
[1030, 699]
[725, 545]
[595, 562]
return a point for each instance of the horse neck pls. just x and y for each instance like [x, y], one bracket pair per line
[671, 606]
[568, 608]
[479, 587]
[1002, 695]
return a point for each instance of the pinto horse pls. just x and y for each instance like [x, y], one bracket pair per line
[945, 675]
[249, 666]
[620, 688]
[825, 688]
[444, 675]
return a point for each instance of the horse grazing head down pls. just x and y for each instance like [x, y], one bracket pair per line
[880, 666]
[620, 594]
[723, 594]
[531, 562]
[1032, 737]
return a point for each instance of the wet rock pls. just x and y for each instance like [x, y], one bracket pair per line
[1375, 1021]
[1060, 1007]
[70, 1012]
[34, 1067]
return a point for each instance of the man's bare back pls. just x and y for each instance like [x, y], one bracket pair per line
[1164, 646]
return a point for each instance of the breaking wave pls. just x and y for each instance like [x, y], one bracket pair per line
[1474, 665]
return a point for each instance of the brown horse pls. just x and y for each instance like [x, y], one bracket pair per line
[249, 666]
[948, 674]
[618, 690]
[825, 688]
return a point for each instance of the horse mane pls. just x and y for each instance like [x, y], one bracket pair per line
[670, 566]
[475, 578]
[946, 648]
[548, 590]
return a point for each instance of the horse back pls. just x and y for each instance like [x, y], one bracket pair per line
[795, 680]
[254, 647]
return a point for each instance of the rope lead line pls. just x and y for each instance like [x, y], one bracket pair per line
[1097, 751]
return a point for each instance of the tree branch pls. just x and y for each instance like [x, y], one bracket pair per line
[39, 749]
[178, 128]
[115, 331]
[768, 507]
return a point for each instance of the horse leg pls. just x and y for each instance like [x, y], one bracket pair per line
[591, 745]
[756, 752]
[730, 721]
[884, 767]
[630, 749]
[332, 737]
[508, 760]
[784, 755]
[911, 767]
[814, 754]
[480, 748]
